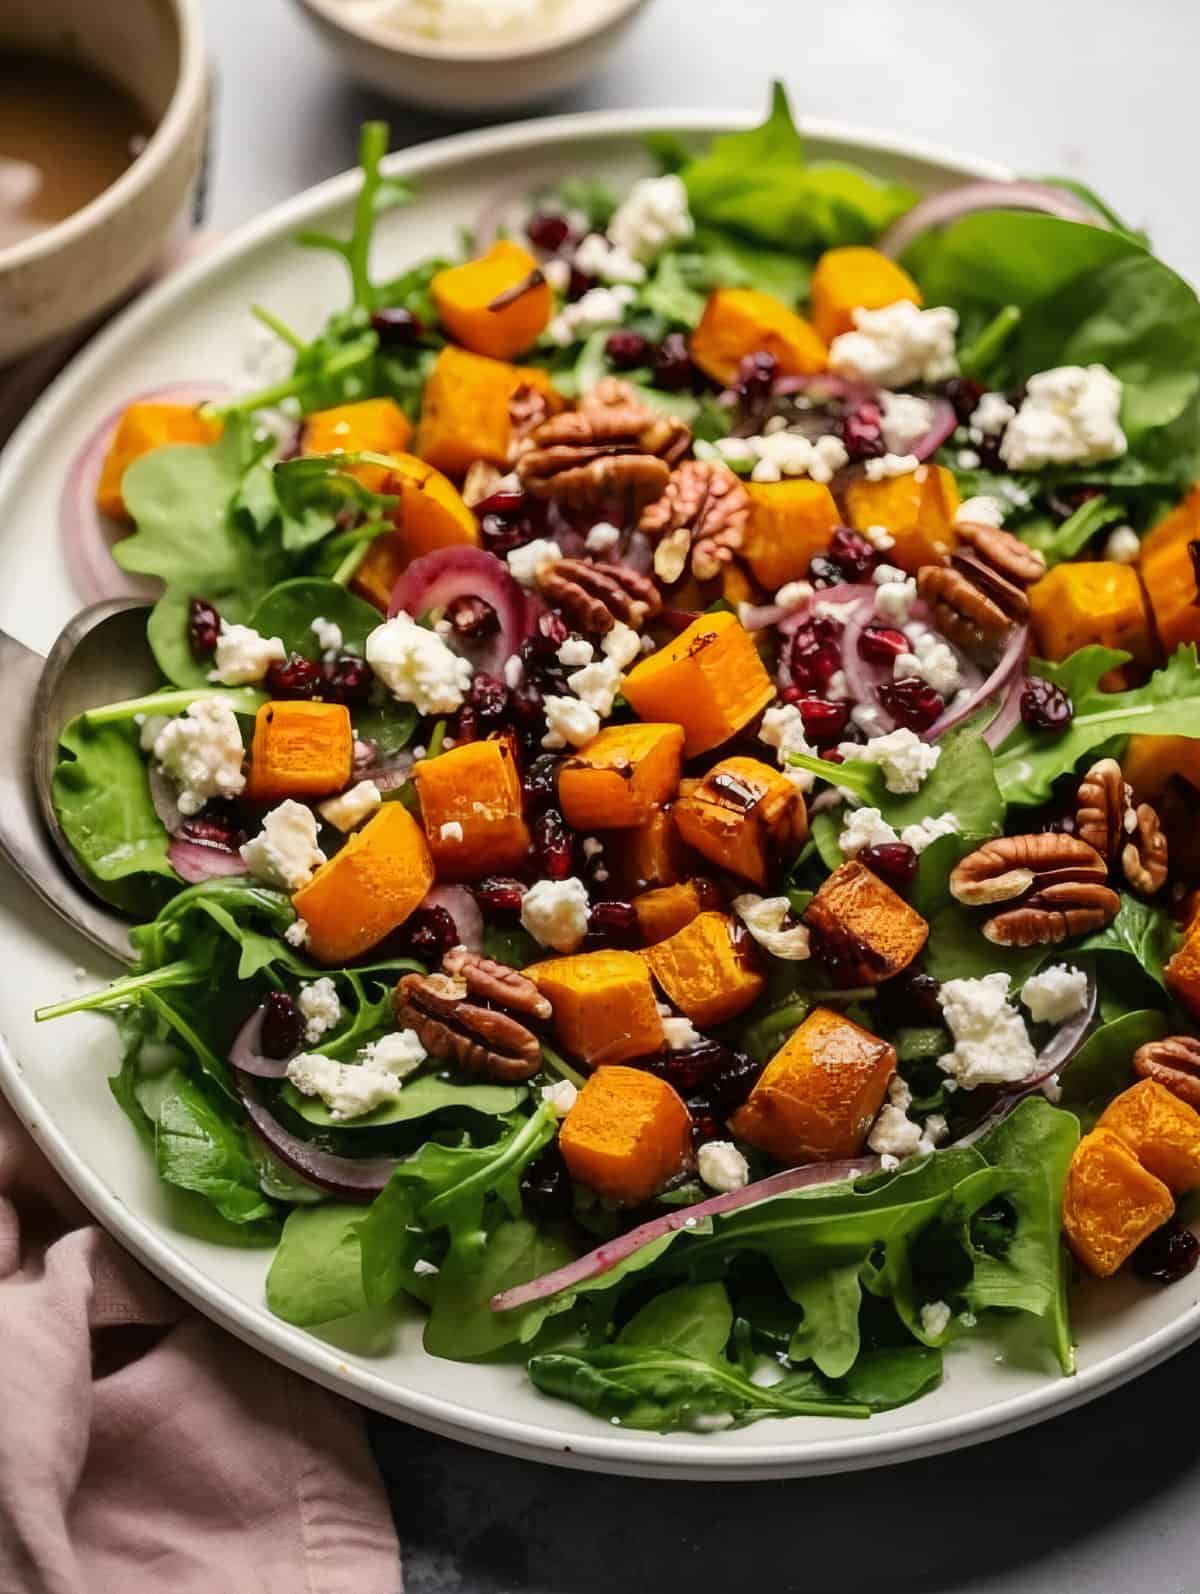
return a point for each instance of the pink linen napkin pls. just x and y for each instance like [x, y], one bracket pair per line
[142, 1449]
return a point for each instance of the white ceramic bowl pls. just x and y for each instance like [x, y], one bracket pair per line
[484, 77]
[59, 279]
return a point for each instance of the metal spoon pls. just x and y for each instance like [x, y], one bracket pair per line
[101, 656]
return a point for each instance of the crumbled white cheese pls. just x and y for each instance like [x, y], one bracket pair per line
[895, 1135]
[525, 562]
[451, 831]
[889, 465]
[721, 1166]
[933, 661]
[992, 1045]
[1070, 416]
[560, 1097]
[783, 729]
[569, 722]
[897, 346]
[400, 1053]
[894, 599]
[243, 656]
[296, 934]
[680, 1034]
[622, 645]
[319, 1007]
[652, 216]
[766, 470]
[201, 752]
[417, 667]
[597, 685]
[328, 634]
[904, 419]
[737, 452]
[981, 511]
[285, 852]
[904, 758]
[865, 827]
[1123, 545]
[991, 415]
[348, 1089]
[918, 837]
[598, 310]
[348, 811]
[602, 538]
[935, 1319]
[968, 459]
[555, 912]
[793, 595]
[557, 273]
[611, 263]
[576, 650]
[764, 918]
[880, 538]
[838, 687]
[1055, 994]
[514, 671]
[883, 574]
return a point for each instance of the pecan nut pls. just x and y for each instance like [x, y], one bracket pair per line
[962, 610]
[1174, 1062]
[1005, 554]
[483, 1041]
[1007, 867]
[498, 983]
[528, 408]
[482, 480]
[1056, 912]
[595, 597]
[705, 509]
[613, 453]
[1103, 806]
[1144, 855]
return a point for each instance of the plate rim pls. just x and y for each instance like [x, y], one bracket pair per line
[640, 1455]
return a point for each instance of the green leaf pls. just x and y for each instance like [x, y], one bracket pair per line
[289, 609]
[828, 1333]
[1072, 536]
[958, 950]
[314, 490]
[961, 783]
[856, 775]
[1142, 931]
[885, 1379]
[316, 1276]
[462, 1325]
[420, 1098]
[1101, 1066]
[198, 1146]
[692, 1319]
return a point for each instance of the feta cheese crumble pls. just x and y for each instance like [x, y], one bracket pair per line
[555, 912]
[328, 634]
[652, 216]
[894, 599]
[789, 454]
[351, 1089]
[285, 854]
[560, 1097]
[602, 538]
[935, 1319]
[1055, 994]
[417, 667]
[569, 722]
[525, 562]
[622, 645]
[931, 829]
[897, 346]
[865, 827]
[680, 1034]
[1123, 546]
[576, 650]
[296, 934]
[888, 465]
[764, 918]
[1070, 416]
[904, 758]
[983, 510]
[319, 1007]
[201, 751]
[905, 418]
[400, 1053]
[992, 1045]
[347, 812]
[722, 1167]
[598, 310]
[597, 685]
[933, 661]
[991, 415]
[894, 1135]
[611, 263]
[243, 656]
[783, 729]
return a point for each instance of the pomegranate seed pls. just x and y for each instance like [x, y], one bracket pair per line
[862, 433]
[823, 722]
[553, 844]
[705, 1123]
[547, 231]
[893, 861]
[295, 677]
[1168, 1255]
[505, 501]
[831, 755]
[756, 375]
[429, 933]
[506, 520]
[540, 784]
[282, 1026]
[912, 702]
[525, 702]
[546, 1190]
[910, 997]
[488, 697]
[579, 284]
[964, 396]
[348, 679]
[466, 725]
[615, 922]
[499, 893]
[853, 553]
[553, 629]
[625, 350]
[880, 644]
[472, 617]
[815, 654]
[204, 627]
[822, 572]
[673, 368]
[397, 328]
[791, 694]
[1045, 706]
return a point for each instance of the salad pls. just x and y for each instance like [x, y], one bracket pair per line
[667, 832]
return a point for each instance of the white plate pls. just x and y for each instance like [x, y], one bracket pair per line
[196, 326]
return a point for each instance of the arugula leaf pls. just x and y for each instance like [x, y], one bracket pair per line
[1142, 931]
[693, 1319]
[198, 1146]
[1068, 539]
[376, 197]
[420, 1098]
[461, 1323]
[316, 1276]
[828, 1334]
[314, 490]
[1100, 1068]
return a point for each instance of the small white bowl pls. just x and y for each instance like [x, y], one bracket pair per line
[57, 280]
[474, 78]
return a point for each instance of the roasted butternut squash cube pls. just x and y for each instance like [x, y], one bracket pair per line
[626, 1136]
[1111, 1203]
[665, 910]
[855, 278]
[736, 585]
[604, 1007]
[371, 426]
[1168, 572]
[621, 777]
[1096, 601]
[465, 409]
[873, 931]
[1149, 762]
[741, 321]
[1162, 1132]
[144, 426]
[916, 510]
[742, 816]
[1183, 970]
[496, 305]
[790, 521]
[471, 809]
[821, 1092]
[710, 969]
[431, 514]
[709, 679]
[300, 750]
[651, 855]
[368, 889]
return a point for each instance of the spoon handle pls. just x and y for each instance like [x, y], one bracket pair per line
[23, 839]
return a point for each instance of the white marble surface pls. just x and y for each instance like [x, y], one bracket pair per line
[1106, 1499]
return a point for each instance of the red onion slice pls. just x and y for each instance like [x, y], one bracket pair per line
[246, 1055]
[1009, 662]
[613, 1251]
[939, 210]
[437, 578]
[194, 861]
[940, 428]
[862, 677]
[996, 732]
[351, 1178]
[825, 387]
[462, 907]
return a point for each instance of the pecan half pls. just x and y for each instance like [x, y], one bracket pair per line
[1007, 555]
[961, 610]
[1006, 868]
[1054, 913]
[1144, 855]
[528, 408]
[480, 1040]
[1010, 598]
[1102, 803]
[613, 453]
[1174, 1062]
[595, 597]
[495, 982]
[481, 482]
[705, 509]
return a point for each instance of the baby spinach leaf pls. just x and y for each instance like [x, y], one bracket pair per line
[1101, 1066]
[887, 1378]
[461, 1323]
[961, 783]
[315, 490]
[692, 1319]
[316, 1276]
[1142, 931]
[288, 611]
[420, 1098]
[958, 950]
[198, 1146]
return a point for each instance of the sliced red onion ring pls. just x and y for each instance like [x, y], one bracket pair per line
[246, 1054]
[825, 386]
[940, 428]
[194, 861]
[939, 210]
[613, 1251]
[437, 578]
[996, 731]
[862, 677]
[351, 1178]
[87, 535]
[462, 907]
[1008, 664]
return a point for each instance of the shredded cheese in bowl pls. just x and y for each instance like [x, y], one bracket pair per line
[463, 21]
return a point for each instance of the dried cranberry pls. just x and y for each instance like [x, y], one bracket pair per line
[912, 702]
[347, 679]
[547, 231]
[540, 784]
[282, 1026]
[862, 432]
[880, 644]
[910, 999]
[525, 703]
[397, 327]
[1169, 1254]
[964, 396]
[673, 368]
[852, 553]
[893, 861]
[615, 922]
[296, 677]
[815, 654]
[705, 1123]
[625, 350]
[549, 634]
[831, 755]
[506, 521]
[204, 627]
[430, 933]
[499, 893]
[472, 617]
[756, 375]
[823, 722]
[1044, 706]
[488, 697]
[822, 571]
[553, 844]
[546, 1185]
[466, 725]
[734, 1083]
[579, 284]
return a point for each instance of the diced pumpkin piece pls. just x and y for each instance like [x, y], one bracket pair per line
[471, 809]
[742, 815]
[465, 409]
[431, 514]
[144, 426]
[368, 889]
[1183, 970]
[496, 305]
[741, 321]
[855, 278]
[709, 679]
[1162, 1132]
[736, 585]
[370, 426]
[1149, 762]
[621, 777]
[1168, 572]
[651, 855]
[870, 927]
[916, 510]
[300, 750]
[1111, 1203]
[1098, 601]
[819, 1095]
[710, 969]
[665, 910]
[604, 1007]
[626, 1136]
[790, 521]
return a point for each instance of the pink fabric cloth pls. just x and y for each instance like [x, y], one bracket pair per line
[142, 1449]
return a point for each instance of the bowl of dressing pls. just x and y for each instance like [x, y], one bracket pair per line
[472, 56]
[102, 118]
